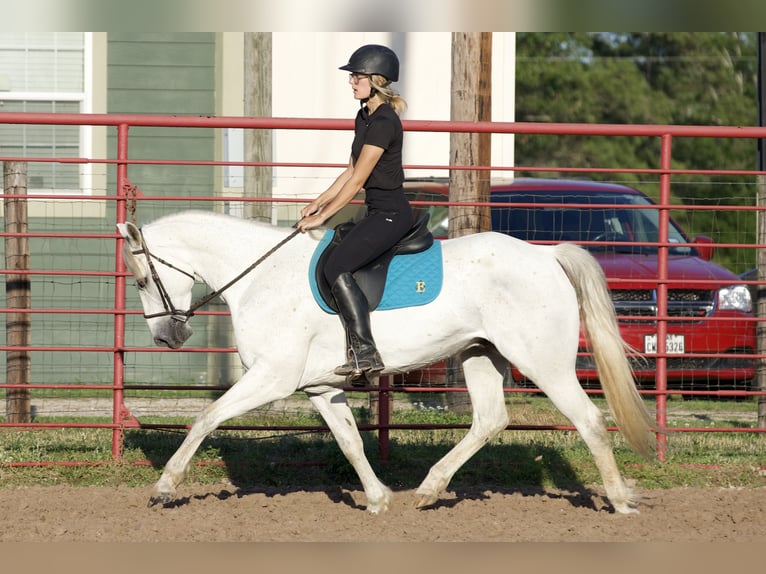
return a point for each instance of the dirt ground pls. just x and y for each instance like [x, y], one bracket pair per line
[223, 513]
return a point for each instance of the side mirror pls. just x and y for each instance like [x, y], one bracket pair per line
[704, 245]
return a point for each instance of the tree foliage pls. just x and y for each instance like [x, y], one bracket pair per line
[683, 78]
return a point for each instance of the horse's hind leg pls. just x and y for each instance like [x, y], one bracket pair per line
[483, 368]
[568, 396]
[331, 404]
[244, 396]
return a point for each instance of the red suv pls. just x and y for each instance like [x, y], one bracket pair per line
[708, 307]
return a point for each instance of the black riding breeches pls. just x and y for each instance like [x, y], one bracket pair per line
[367, 240]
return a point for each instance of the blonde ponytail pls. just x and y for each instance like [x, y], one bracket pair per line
[382, 86]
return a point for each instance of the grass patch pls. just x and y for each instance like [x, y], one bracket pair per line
[287, 459]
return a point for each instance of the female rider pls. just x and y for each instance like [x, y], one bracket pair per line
[375, 166]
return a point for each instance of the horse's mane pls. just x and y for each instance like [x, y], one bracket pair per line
[230, 224]
[198, 215]
[191, 224]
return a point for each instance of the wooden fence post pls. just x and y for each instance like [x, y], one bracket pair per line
[17, 293]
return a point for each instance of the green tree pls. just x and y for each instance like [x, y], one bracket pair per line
[688, 78]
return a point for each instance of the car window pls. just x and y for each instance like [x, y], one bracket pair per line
[558, 216]
[564, 215]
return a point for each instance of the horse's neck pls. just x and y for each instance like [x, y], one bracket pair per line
[219, 248]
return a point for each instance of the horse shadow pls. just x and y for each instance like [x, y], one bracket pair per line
[337, 495]
[518, 469]
[289, 464]
[276, 466]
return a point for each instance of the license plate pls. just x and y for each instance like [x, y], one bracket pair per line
[674, 344]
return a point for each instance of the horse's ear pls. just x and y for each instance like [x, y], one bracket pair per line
[132, 237]
[131, 234]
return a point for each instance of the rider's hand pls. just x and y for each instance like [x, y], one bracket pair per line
[310, 222]
[311, 209]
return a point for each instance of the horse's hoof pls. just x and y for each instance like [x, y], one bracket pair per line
[425, 501]
[626, 509]
[162, 499]
[375, 510]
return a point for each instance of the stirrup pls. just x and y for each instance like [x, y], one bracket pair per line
[355, 368]
[356, 371]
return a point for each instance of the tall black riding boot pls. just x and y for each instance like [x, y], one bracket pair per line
[363, 356]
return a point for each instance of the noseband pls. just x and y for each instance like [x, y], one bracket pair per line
[170, 309]
[167, 303]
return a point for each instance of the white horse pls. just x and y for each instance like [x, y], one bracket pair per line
[503, 300]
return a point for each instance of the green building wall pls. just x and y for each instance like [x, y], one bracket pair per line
[165, 73]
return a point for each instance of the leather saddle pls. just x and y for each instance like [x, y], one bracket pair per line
[372, 277]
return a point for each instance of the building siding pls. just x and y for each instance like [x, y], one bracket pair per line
[171, 73]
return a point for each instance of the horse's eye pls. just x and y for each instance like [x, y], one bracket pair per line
[141, 283]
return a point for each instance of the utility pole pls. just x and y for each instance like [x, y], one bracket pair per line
[471, 101]
[258, 143]
[226, 368]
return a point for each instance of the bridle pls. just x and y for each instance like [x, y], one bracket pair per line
[170, 309]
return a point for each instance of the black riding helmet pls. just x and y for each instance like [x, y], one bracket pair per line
[374, 59]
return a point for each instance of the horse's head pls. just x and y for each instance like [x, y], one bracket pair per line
[165, 289]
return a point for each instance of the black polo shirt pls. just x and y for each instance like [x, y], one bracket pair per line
[383, 129]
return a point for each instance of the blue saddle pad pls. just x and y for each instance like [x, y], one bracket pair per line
[413, 278]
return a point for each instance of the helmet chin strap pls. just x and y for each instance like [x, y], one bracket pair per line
[363, 101]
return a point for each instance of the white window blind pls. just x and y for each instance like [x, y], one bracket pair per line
[45, 72]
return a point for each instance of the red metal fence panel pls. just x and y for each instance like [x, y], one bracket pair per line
[123, 319]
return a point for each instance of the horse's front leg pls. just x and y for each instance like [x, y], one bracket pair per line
[332, 405]
[249, 393]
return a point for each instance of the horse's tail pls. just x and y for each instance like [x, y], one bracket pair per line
[599, 324]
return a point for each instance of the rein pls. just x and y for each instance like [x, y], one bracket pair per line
[170, 309]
